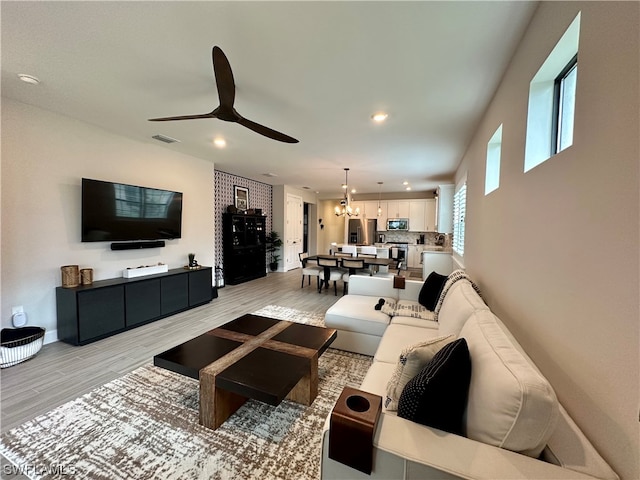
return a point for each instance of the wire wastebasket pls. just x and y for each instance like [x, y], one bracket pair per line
[19, 344]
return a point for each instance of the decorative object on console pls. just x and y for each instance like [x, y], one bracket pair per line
[143, 270]
[86, 276]
[226, 95]
[345, 209]
[241, 197]
[70, 276]
[193, 263]
[437, 396]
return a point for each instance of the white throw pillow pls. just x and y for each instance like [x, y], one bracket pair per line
[412, 360]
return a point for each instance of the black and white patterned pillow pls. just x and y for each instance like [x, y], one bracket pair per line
[437, 396]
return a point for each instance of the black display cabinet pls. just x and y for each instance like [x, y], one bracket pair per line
[244, 248]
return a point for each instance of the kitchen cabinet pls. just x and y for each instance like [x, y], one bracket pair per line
[422, 215]
[398, 209]
[371, 209]
[417, 215]
[444, 209]
[430, 215]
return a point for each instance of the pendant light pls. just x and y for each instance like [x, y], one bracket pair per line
[379, 195]
[344, 209]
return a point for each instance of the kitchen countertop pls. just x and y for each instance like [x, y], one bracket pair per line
[425, 248]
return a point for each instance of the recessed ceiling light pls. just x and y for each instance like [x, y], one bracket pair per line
[408, 188]
[31, 80]
[405, 183]
[379, 117]
[353, 190]
[220, 142]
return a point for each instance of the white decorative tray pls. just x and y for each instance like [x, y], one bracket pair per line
[142, 271]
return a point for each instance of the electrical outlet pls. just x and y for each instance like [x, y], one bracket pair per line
[18, 309]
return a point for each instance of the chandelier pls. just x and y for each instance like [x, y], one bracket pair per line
[344, 209]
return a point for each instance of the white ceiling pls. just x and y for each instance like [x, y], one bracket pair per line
[316, 71]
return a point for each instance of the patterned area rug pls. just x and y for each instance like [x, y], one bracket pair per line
[145, 425]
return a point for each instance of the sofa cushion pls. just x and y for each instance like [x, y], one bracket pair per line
[430, 291]
[416, 322]
[511, 405]
[460, 302]
[437, 396]
[412, 359]
[399, 336]
[356, 313]
[376, 379]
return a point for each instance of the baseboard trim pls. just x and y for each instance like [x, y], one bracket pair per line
[50, 336]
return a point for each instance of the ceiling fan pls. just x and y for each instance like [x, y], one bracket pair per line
[226, 95]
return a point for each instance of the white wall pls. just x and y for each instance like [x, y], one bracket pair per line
[44, 157]
[555, 250]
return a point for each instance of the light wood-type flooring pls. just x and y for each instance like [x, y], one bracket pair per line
[61, 372]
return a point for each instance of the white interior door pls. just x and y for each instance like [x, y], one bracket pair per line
[293, 234]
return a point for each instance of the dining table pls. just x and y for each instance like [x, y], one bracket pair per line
[368, 262]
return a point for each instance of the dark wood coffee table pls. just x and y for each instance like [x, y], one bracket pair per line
[250, 357]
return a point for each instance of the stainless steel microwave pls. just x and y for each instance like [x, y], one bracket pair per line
[398, 224]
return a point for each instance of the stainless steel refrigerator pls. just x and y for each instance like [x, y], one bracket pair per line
[362, 231]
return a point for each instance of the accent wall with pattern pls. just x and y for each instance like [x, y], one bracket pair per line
[260, 196]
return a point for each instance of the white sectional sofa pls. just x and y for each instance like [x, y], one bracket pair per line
[514, 426]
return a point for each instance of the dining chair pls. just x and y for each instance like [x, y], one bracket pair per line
[310, 268]
[383, 270]
[355, 265]
[331, 273]
[369, 252]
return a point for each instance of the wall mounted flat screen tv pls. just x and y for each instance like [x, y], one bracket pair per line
[121, 212]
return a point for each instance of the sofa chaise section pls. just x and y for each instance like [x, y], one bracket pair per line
[514, 426]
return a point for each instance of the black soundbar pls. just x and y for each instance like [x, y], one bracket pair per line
[137, 245]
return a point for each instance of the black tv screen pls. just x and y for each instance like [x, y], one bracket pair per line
[121, 212]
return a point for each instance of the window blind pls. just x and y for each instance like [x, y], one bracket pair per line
[459, 214]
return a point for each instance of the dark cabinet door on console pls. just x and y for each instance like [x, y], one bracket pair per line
[200, 288]
[101, 311]
[142, 301]
[174, 293]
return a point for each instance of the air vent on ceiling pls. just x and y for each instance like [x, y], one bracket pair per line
[165, 139]
[269, 174]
